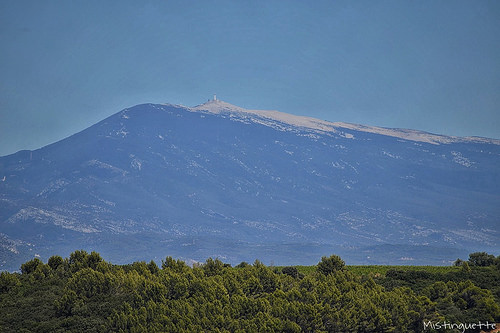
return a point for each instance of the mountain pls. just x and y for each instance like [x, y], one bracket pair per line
[221, 181]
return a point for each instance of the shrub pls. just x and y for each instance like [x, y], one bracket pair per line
[329, 265]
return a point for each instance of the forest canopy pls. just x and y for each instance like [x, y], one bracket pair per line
[84, 293]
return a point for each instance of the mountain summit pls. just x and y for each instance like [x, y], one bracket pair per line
[218, 180]
[217, 107]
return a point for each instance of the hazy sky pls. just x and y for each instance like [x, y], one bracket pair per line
[429, 65]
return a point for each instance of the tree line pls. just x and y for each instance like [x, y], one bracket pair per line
[84, 293]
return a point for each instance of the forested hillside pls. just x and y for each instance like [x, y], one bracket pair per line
[84, 293]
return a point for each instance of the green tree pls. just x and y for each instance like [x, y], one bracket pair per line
[170, 263]
[466, 267]
[153, 267]
[55, 261]
[481, 259]
[81, 259]
[30, 266]
[93, 260]
[8, 281]
[329, 265]
[213, 267]
[290, 271]
[242, 264]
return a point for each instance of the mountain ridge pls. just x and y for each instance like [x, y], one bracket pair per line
[218, 106]
[213, 180]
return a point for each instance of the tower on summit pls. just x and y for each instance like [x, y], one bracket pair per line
[215, 97]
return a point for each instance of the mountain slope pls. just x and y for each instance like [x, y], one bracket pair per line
[219, 180]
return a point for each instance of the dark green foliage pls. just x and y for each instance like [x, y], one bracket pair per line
[31, 266]
[291, 271]
[81, 259]
[153, 267]
[330, 265]
[242, 264]
[8, 281]
[213, 267]
[481, 259]
[55, 262]
[465, 267]
[174, 265]
[463, 301]
[86, 294]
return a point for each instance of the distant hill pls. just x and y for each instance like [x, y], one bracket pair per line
[221, 181]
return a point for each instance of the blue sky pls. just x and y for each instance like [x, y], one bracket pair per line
[428, 65]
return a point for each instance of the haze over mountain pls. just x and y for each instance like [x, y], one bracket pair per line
[218, 180]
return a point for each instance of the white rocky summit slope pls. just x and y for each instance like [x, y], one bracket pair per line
[216, 106]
